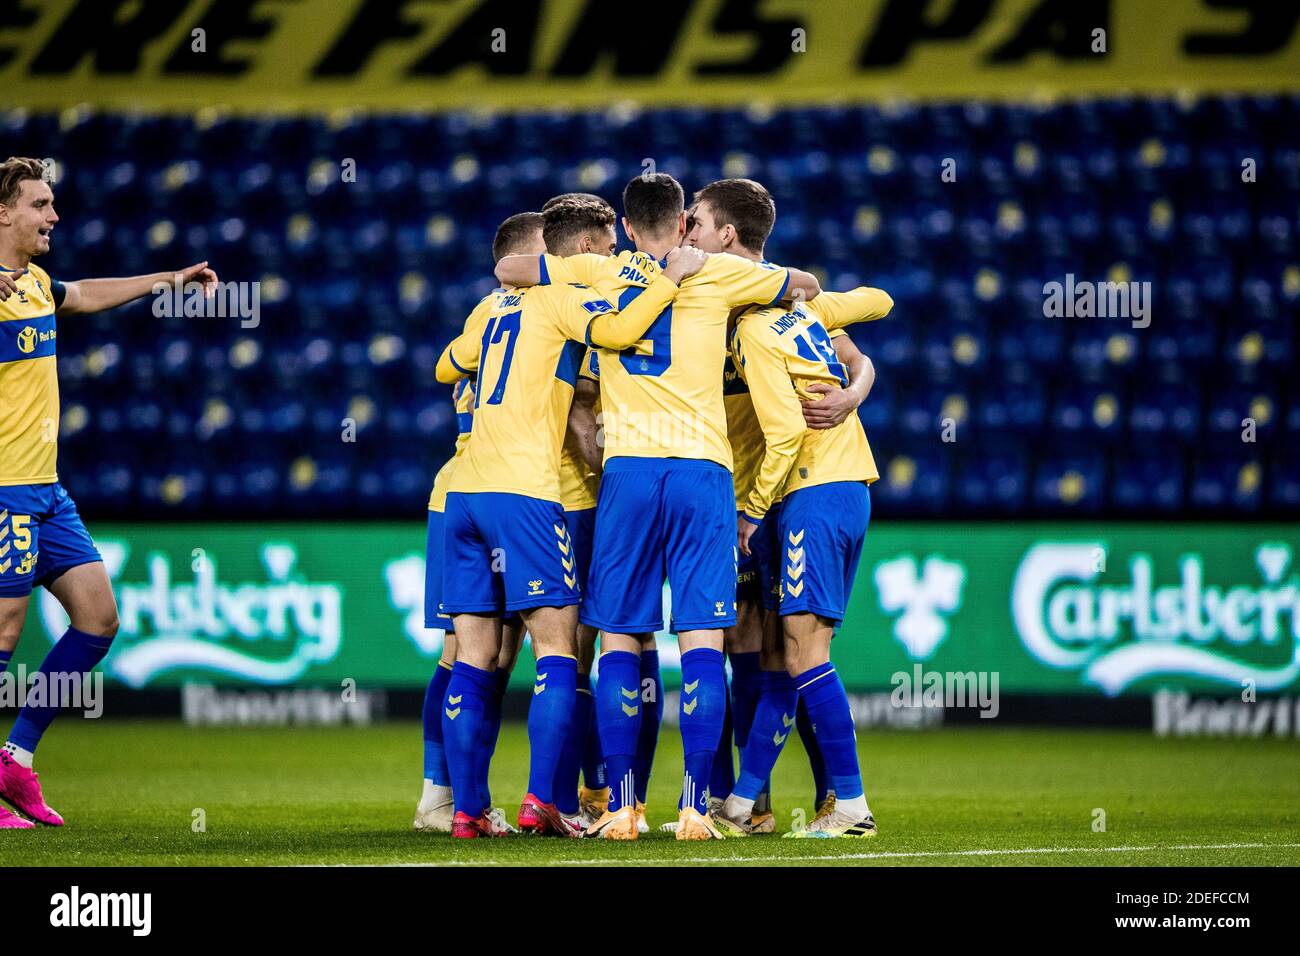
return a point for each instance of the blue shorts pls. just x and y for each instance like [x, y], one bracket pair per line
[658, 518]
[757, 575]
[41, 536]
[505, 552]
[822, 528]
[582, 530]
[434, 549]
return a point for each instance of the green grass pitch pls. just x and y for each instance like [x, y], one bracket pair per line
[129, 791]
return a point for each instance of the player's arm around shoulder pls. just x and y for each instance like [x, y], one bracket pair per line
[623, 329]
[863, 304]
[528, 270]
[96, 295]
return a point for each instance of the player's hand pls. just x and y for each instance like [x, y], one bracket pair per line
[199, 272]
[9, 283]
[684, 261]
[744, 531]
[835, 405]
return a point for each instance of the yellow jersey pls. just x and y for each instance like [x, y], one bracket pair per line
[462, 396]
[578, 483]
[525, 346]
[29, 382]
[779, 354]
[662, 397]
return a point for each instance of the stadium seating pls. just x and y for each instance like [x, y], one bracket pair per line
[363, 282]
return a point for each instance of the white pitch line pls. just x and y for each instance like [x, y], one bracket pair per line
[917, 854]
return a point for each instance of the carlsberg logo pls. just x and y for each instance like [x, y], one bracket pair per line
[185, 616]
[1117, 634]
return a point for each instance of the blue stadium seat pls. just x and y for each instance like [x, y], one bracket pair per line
[363, 282]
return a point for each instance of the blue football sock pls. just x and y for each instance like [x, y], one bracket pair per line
[773, 721]
[76, 652]
[618, 712]
[828, 709]
[652, 715]
[703, 710]
[593, 762]
[814, 752]
[464, 714]
[435, 758]
[575, 742]
[549, 716]
[746, 684]
[491, 730]
[722, 778]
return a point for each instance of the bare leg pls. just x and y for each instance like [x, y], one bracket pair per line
[807, 642]
[87, 596]
[13, 611]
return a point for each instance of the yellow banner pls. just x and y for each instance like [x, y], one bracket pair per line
[529, 54]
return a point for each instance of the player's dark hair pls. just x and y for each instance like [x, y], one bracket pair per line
[514, 233]
[13, 172]
[590, 197]
[653, 204]
[745, 205]
[570, 219]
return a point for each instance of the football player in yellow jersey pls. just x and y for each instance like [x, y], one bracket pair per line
[665, 506]
[508, 548]
[521, 233]
[736, 216]
[823, 519]
[578, 223]
[42, 538]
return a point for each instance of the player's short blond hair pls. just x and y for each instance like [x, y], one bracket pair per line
[16, 170]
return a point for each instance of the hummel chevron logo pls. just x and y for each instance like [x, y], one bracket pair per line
[453, 714]
[567, 563]
[689, 709]
[795, 538]
[571, 581]
[455, 700]
[630, 709]
[778, 738]
[629, 694]
[563, 546]
[559, 530]
[538, 688]
[5, 549]
[542, 677]
[788, 721]
[5, 567]
[794, 554]
[690, 688]
[4, 532]
[794, 590]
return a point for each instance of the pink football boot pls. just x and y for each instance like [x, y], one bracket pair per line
[19, 787]
[12, 821]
